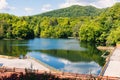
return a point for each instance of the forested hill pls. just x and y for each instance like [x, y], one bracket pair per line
[73, 11]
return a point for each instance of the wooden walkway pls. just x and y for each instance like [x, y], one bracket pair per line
[112, 66]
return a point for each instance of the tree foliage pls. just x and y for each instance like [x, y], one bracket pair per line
[73, 11]
[103, 29]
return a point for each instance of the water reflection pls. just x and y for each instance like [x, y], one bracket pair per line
[66, 65]
[76, 56]
[47, 44]
[80, 67]
[64, 54]
[11, 48]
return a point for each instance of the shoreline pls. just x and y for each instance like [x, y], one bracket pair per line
[104, 48]
[28, 58]
[8, 57]
[15, 62]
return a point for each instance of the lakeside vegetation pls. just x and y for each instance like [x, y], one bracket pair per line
[86, 23]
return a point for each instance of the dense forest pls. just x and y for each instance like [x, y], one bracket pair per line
[84, 22]
[73, 11]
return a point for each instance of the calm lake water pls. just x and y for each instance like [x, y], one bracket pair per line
[67, 55]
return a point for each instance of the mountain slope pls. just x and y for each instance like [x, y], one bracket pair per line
[73, 11]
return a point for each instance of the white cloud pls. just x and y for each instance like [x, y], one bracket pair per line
[45, 57]
[64, 61]
[80, 67]
[4, 5]
[117, 0]
[69, 3]
[103, 3]
[96, 3]
[29, 10]
[46, 7]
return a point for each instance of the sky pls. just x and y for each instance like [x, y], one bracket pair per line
[32, 7]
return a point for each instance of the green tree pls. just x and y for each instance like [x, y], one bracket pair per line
[114, 36]
[37, 31]
[90, 31]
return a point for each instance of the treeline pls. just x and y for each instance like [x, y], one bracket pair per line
[103, 28]
[13, 27]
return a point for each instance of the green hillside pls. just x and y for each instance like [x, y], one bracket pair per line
[73, 11]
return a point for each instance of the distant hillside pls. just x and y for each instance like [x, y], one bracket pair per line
[73, 11]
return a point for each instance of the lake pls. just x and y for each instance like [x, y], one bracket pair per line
[68, 55]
